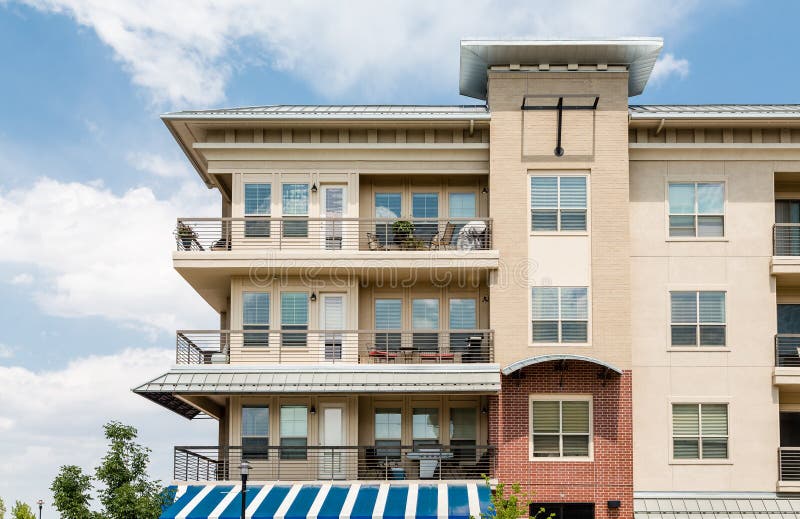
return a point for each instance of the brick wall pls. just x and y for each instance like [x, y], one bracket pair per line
[608, 477]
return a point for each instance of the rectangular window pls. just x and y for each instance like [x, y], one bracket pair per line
[258, 204]
[463, 432]
[425, 205]
[561, 428]
[698, 318]
[558, 203]
[425, 316]
[462, 205]
[388, 316]
[255, 432]
[425, 426]
[696, 209]
[388, 433]
[388, 208]
[295, 210]
[699, 431]
[463, 316]
[255, 318]
[294, 318]
[560, 314]
[294, 432]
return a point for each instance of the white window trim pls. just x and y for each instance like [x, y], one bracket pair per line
[560, 344]
[693, 180]
[700, 461]
[556, 173]
[705, 349]
[563, 397]
[271, 197]
[308, 204]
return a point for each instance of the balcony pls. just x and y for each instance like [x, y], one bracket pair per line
[370, 463]
[787, 359]
[334, 347]
[786, 249]
[789, 469]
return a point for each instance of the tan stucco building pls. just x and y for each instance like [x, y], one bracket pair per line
[556, 288]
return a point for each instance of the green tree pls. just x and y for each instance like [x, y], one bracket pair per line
[22, 511]
[72, 493]
[512, 506]
[2, 508]
[128, 492]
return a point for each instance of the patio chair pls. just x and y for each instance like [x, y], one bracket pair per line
[373, 242]
[443, 240]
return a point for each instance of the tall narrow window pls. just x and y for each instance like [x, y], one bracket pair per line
[255, 432]
[700, 431]
[295, 210]
[294, 432]
[425, 205]
[388, 433]
[463, 432]
[388, 316]
[294, 318]
[388, 208]
[462, 205]
[463, 333]
[696, 209]
[698, 318]
[560, 314]
[255, 318]
[425, 316]
[257, 207]
[425, 426]
[558, 203]
[561, 428]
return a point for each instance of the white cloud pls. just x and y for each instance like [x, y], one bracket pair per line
[98, 253]
[52, 418]
[668, 66]
[22, 279]
[185, 51]
[159, 165]
[6, 352]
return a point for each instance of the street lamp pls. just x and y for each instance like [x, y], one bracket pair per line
[244, 468]
[40, 503]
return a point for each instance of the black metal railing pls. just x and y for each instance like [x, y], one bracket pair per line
[376, 462]
[787, 350]
[786, 239]
[789, 463]
[334, 346]
[301, 233]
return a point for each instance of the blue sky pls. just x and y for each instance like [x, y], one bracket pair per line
[89, 174]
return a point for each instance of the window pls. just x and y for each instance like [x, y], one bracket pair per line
[561, 428]
[560, 314]
[463, 316]
[558, 203]
[425, 316]
[387, 209]
[255, 432]
[295, 210]
[425, 426]
[257, 203]
[388, 316]
[463, 432]
[696, 209]
[562, 510]
[388, 433]
[255, 316]
[294, 431]
[425, 205]
[699, 431]
[698, 318]
[462, 205]
[294, 316]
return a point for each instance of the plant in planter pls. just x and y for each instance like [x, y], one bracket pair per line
[403, 232]
[186, 235]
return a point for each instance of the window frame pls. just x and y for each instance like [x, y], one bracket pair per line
[260, 228]
[265, 455]
[565, 397]
[559, 321]
[297, 339]
[281, 437]
[669, 213]
[557, 208]
[697, 324]
[256, 330]
[699, 460]
[299, 217]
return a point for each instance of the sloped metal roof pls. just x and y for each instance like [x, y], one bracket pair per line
[715, 111]
[333, 112]
[530, 361]
[716, 506]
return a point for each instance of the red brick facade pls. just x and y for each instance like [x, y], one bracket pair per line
[608, 477]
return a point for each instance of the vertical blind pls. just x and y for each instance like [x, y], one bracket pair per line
[700, 431]
[257, 199]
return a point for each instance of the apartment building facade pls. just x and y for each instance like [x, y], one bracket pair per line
[592, 299]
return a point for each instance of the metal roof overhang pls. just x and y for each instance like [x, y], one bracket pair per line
[639, 55]
[168, 388]
[530, 361]
[666, 505]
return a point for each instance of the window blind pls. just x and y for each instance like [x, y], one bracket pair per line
[698, 318]
[257, 199]
[462, 205]
[558, 203]
[560, 428]
[463, 421]
[425, 314]
[294, 308]
[255, 308]
[425, 205]
[560, 314]
[388, 314]
[700, 431]
[463, 314]
[295, 199]
[696, 209]
[425, 424]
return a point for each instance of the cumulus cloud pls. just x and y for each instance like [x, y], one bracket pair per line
[104, 254]
[52, 418]
[668, 66]
[159, 165]
[186, 51]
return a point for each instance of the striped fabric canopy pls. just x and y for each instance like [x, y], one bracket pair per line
[331, 501]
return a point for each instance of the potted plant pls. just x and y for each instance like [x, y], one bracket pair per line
[403, 231]
[186, 235]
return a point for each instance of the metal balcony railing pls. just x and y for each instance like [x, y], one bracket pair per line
[789, 463]
[786, 239]
[787, 350]
[354, 234]
[300, 463]
[264, 346]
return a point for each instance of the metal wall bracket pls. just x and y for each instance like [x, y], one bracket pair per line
[560, 107]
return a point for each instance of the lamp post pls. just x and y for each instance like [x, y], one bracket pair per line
[40, 503]
[244, 468]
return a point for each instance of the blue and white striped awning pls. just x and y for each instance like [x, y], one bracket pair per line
[331, 501]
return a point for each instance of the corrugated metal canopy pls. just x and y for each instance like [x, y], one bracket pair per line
[639, 55]
[334, 112]
[744, 111]
[716, 507]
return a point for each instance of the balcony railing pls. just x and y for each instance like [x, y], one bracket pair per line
[786, 239]
[354, 234]
[789, 463]
[261, 346]
[384, 462]
[787, 350]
